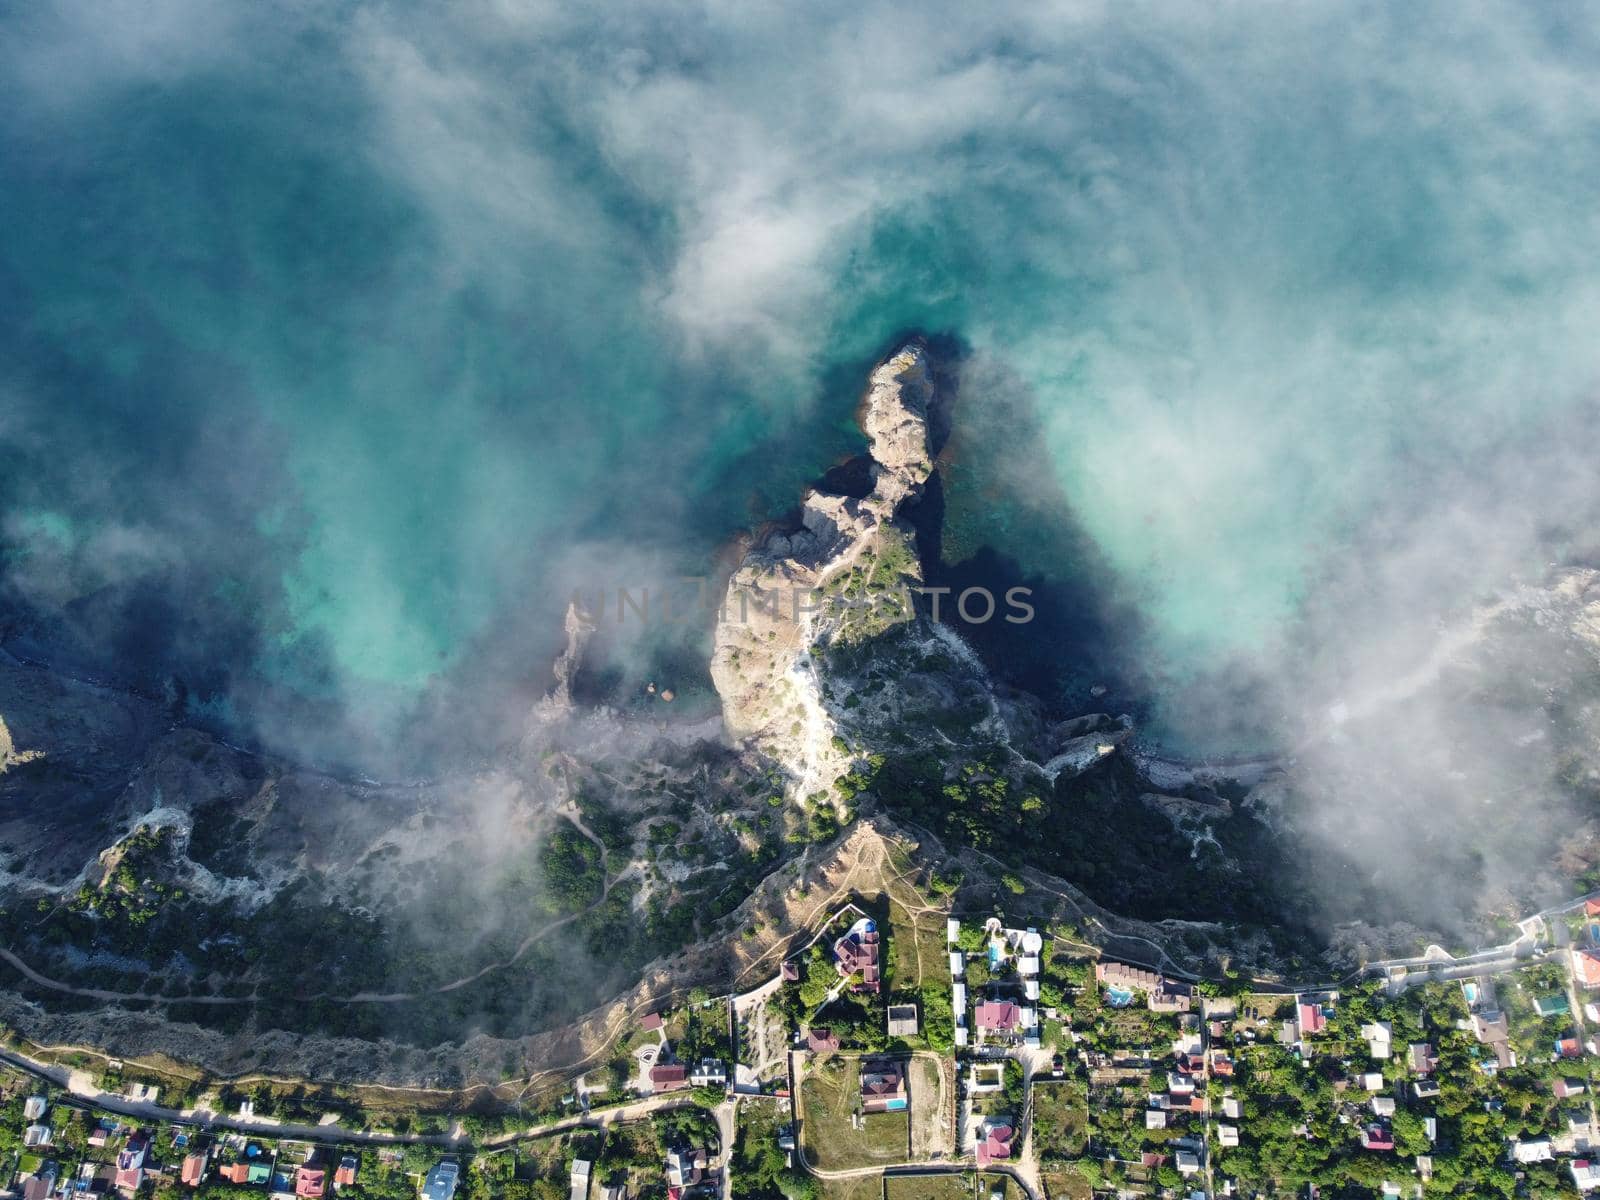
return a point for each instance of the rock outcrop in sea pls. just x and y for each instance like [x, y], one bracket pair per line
[792, 596]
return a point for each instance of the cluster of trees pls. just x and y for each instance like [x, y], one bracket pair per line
[1476, 1112]
[1095, 830]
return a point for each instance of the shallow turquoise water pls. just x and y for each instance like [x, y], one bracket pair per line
[338, 347]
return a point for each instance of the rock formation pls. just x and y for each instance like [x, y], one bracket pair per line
[786, 601]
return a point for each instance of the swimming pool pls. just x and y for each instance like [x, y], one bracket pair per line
[1470, 990]
[1118, 997]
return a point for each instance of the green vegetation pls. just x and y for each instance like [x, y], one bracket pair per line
[1094, 830]
[1061, 1117]
[760, 1166]
[829, 1094]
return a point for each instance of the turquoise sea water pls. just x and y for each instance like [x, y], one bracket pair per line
[339, 342]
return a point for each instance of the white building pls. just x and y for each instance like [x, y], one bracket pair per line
[1379, 1037]
[1585, 1174]
[580, 1179]
[709, 1072]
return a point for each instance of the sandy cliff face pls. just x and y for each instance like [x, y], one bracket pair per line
[794, 593]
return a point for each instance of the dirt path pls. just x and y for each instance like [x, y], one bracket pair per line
[523, 947]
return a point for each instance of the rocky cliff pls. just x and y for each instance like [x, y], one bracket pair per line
[841, 573]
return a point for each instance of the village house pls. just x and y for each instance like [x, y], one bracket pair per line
[1585, 1174]
[994, 1141]
[997, 1016]
[902, 1020]
[309, 1181]
[581, 1169]
[883, 1086]
[1537, 1151]
[709, 1072]
[441, 1182]
[822, 1041]
[1311, 1013]
[130, 1162]
[346, 1174]
[194, 1170]
[1492, 1029]
[856, 953]
[668, 1077]
[685, 1168]
[1376, 1137]
[40, 1184]
[1585, 967]
[1161, 994]
[1422, 1058]
[1378, 1035]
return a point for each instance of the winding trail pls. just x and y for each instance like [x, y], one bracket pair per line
[527, 943]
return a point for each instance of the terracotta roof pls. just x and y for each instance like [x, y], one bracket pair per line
[664, 1077]
[1586, 966]
[193, 1168]
[650, 1022]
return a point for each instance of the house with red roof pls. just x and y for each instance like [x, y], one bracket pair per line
[1586, 967]
[130, 1163]
[650, 1022]
[995, 1143]
[194, 1169]
[1310, 1018]
[668, 1077]
[821, 1041]
[346, 1174]
[1376, 1137]
[1591, 908]
[856, 953]
[309, 1181]
[883, 1086]
[997, 1016]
